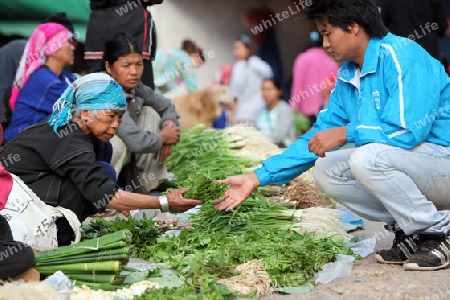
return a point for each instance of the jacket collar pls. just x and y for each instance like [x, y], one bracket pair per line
[371, 59]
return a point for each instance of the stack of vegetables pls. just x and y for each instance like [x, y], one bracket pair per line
[213, 152]
[144, 232]
[256, 211]
[256, 229]
[96, 263]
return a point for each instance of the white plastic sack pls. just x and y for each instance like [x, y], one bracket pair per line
[342, 267]
[32, 221]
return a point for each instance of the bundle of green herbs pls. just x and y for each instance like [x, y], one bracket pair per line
[290, 258]
[211, 152]
[203, 187]
[144, 231]
[255, 210]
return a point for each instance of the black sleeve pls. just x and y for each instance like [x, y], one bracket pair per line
[90, 179]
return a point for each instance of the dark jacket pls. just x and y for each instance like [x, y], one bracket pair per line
[409, 18]
[135, 138]
[60, 167]
[97, 4]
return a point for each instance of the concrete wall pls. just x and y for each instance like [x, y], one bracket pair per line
[214, 24]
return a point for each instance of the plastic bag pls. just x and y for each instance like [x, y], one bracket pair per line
[342, 267]
[60, 282]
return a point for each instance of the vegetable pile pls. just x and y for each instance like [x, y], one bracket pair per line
[96, 263]
[212, 152]
[143, 232]
[290, 258]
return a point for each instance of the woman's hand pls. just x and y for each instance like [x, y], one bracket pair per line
[241, 186]
[178, 204]
[169, 134]
[163, 153]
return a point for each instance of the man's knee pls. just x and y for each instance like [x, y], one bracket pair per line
[367, 158]
[328, 168]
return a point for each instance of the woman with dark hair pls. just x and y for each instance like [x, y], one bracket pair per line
[276, 120]
[150, 125]
[246, 81]
[173, 67]
[390, 107]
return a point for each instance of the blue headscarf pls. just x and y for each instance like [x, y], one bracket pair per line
[95, 91]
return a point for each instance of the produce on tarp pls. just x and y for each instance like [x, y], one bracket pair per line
[125, 293]
[143, 231]
[305, 194]
[256, 144]
[252, 279]
[290, 258]
[208, 151]
[96, 263]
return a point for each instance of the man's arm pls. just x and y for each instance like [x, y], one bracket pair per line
[297, 158]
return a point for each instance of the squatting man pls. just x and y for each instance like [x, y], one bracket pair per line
[397, 172]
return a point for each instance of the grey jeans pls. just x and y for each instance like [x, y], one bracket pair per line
[389, 184]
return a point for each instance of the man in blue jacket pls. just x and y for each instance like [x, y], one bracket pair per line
[392, 101]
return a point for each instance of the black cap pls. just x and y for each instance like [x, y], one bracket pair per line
[62, 19]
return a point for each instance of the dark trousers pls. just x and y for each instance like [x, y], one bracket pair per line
[15, 257]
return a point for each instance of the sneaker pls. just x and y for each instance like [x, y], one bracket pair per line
[433, 253]
[403, 248]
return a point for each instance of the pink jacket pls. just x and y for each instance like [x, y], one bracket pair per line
[310, 72]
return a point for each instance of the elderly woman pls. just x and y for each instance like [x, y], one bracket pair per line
[57, 157]
[41, 78]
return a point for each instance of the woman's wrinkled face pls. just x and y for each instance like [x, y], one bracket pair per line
[103, 124]
[127, 70]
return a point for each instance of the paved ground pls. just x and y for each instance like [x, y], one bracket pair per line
[371, 280]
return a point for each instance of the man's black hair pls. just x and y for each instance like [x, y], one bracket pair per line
[343, 13]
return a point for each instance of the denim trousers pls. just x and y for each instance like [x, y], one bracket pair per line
[406, 188]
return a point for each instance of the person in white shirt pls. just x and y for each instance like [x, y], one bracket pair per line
[246, 81]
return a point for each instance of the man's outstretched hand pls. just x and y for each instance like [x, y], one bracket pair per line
[241, 186]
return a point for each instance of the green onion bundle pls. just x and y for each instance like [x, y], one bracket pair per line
[254, 211]
[203, 187]
[96, 262]
[211, 152]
